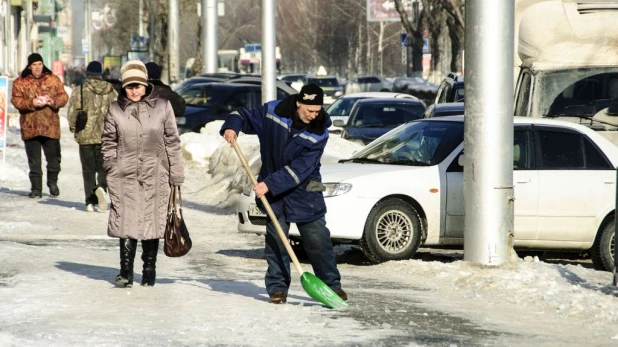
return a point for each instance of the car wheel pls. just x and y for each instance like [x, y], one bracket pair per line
[392, 231]
[603, 250]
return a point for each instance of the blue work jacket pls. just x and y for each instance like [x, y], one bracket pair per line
[290, 157]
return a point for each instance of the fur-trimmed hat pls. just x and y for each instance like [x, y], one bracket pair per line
[133, 71]
[311, 94]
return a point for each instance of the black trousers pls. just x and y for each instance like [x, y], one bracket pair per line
[51, 148]
[92, 171]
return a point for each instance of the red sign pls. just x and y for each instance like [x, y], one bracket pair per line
[58, 69]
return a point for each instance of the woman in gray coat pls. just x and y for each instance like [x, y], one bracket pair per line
[142, 158]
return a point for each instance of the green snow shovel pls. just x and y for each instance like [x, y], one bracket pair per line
[311, 284]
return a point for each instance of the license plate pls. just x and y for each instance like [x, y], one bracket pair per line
[254, 211]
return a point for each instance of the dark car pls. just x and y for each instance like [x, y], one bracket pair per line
[451, 89]
[367, 84]
[443, 110]
[282, 87]
[372, 118]
[207, 102]
[329, 84]
[195, 80]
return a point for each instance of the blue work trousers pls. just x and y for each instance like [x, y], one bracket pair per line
[315, 238]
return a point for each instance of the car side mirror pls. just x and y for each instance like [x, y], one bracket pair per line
[460, 160]
[339, 123]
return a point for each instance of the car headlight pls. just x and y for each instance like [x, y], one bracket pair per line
[336, 189]
[181, 120]
[338, 93]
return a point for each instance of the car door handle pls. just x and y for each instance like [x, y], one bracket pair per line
[525, 181]
[609, 182]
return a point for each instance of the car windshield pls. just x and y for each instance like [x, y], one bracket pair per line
[199, 96]
[578, 93]
[341, 107]
[421, 143]
[323, 82]
[378, 115]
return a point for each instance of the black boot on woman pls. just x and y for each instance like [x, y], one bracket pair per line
[150, 249]
[127, 256]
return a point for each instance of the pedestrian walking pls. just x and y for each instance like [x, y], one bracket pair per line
[292, 134]
[142, 158]
[88, 106]
[164, 91]
[38, 95]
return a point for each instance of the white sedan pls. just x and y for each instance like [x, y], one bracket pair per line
[405, 189]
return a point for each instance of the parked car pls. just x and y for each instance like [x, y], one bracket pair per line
[372, 118]
[195, 80]
[416, 86]
[295, 80]
[214, 101]
[329, 84]
[341, 108]
[282, 87]
[367, 84]
[451, 89]
[443, 110]
[406, 190]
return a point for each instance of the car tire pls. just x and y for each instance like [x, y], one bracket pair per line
[602, 252]
[392, 231]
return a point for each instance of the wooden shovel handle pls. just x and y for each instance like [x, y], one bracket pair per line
[271, 214]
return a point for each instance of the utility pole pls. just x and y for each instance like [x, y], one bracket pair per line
[209, 32]
[140, 15]
[488, 132]
[174, 70]
[88, 32]
[269, 68]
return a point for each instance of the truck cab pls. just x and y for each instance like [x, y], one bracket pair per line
[568, 62]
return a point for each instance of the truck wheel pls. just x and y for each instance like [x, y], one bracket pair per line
[392, 231]
[603, 250]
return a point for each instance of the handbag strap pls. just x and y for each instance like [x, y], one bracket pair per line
[179, 199]
[171, 206]
[81, 96]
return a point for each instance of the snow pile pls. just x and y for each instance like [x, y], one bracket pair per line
[562, 291]
[209, 149]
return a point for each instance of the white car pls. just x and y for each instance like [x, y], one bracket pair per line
[340, 109]
[405, 189]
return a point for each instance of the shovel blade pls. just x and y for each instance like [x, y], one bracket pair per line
[319, 291]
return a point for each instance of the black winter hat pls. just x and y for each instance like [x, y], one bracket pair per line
[94, 69]
[33, 58]
[311, 94]
[154, 71]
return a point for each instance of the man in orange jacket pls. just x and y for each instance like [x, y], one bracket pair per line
[38, 95]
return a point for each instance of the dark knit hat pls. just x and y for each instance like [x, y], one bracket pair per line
[133, 71]
[94, 69]
[33, 58]
[154, 71]
[311, 94]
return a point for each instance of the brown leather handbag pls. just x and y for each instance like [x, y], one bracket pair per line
[177, 240]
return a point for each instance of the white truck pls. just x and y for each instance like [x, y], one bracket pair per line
[567, 62]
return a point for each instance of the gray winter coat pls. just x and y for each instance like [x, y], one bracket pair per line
[142, 157]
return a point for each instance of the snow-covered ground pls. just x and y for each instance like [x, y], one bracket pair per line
[58, 266]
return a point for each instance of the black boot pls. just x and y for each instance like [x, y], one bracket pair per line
[150, 249]
[127, 256]
[52, 183]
